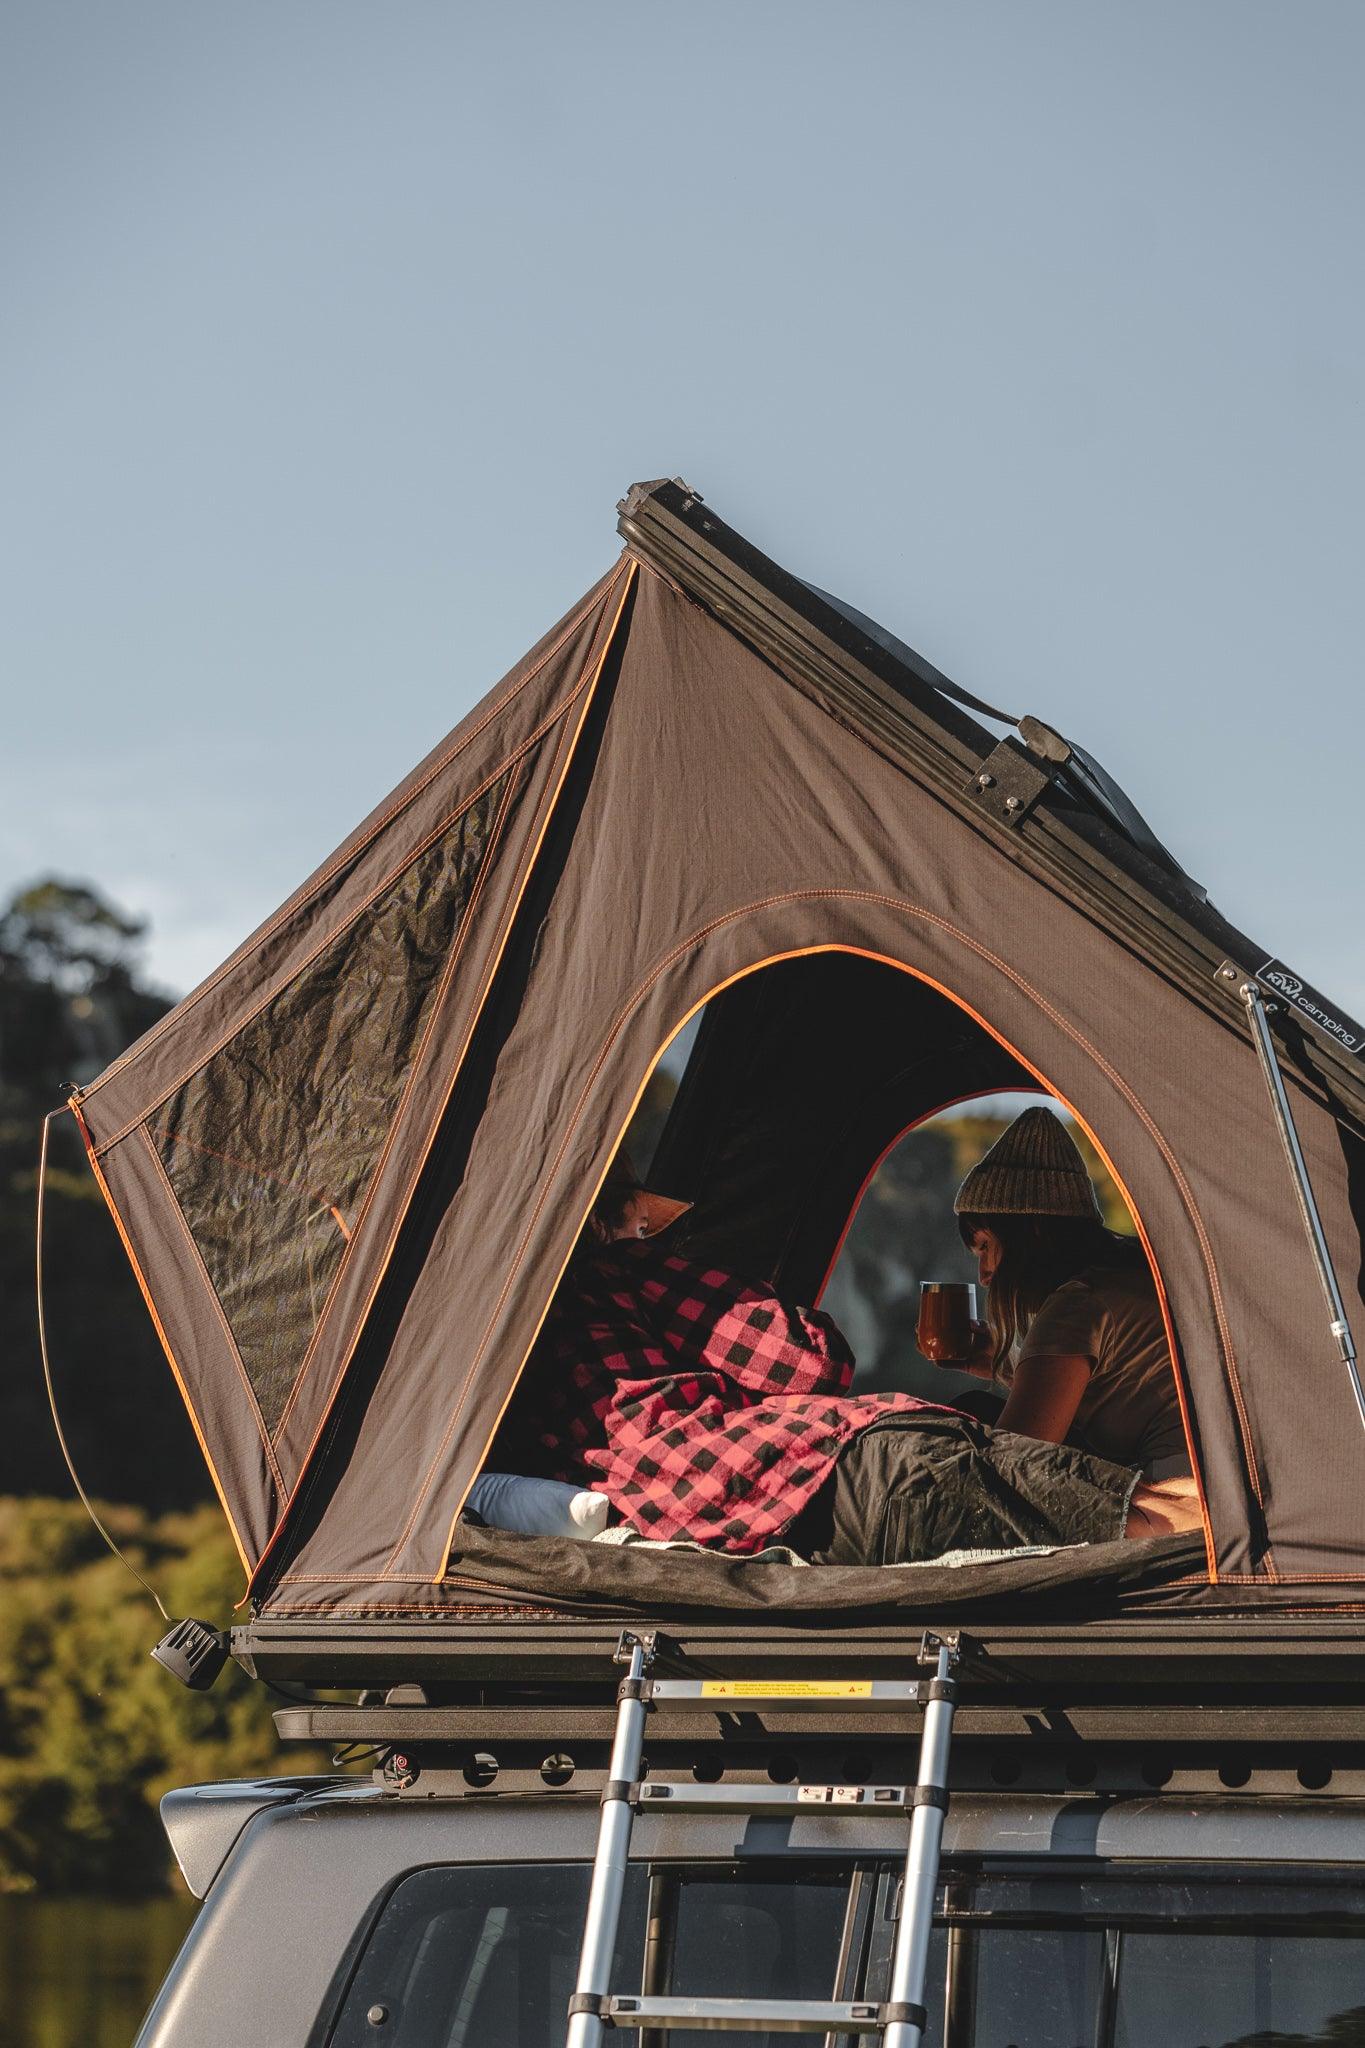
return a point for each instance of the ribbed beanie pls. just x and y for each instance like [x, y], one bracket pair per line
[1034, 1169]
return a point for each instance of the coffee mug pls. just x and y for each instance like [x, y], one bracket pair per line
[947, 1311]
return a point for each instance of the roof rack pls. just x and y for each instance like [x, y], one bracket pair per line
[1210, 1679]
[1042, 1712]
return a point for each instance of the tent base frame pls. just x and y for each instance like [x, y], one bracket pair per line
[1216, 1665]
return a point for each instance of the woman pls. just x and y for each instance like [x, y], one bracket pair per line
[1075, 1331]
[709, 1409]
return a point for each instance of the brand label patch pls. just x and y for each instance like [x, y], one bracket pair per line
[1294, 990]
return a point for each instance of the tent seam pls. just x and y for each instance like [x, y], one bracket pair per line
[344, 1365]
[1287, 1579]
[566, 746]
[376, 1173]
[246, 1166]
[388, 1607]
[912, 910]
[218, 1308]
[926, 1116]
[534, 1603]
[350, 853]
[387, 881]
[160, 1328]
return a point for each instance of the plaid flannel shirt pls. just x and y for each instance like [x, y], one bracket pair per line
[704, 1407]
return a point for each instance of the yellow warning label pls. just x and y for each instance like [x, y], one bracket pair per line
[786, 1688]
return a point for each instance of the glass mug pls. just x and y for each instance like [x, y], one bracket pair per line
[947, 1311]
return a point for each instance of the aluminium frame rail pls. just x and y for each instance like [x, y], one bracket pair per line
[902, 697]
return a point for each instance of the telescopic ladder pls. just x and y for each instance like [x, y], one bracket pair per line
[901, 2019]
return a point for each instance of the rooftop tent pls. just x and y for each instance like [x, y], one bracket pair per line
[350, 1167]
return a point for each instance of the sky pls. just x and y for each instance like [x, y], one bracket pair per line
[330, 337]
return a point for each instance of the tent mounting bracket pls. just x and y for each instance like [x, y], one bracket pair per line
[1009, 782]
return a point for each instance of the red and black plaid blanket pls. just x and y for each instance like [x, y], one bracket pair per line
[705, 1407]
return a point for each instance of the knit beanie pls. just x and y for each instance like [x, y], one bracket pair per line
[1034, 1169]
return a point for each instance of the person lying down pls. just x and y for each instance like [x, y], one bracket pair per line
[710, 1411]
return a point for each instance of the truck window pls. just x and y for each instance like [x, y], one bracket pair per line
[471, 1954]
[461, 1957]
[1124, 1959]
[1268, 1990]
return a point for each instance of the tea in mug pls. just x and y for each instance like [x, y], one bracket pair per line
[947, 1311]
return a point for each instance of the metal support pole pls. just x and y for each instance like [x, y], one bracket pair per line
[1284, 1117]
[613, 1850]
[910, 1961]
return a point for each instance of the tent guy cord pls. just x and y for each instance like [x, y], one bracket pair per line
[51, 1390]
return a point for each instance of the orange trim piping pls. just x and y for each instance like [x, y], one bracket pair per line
[528, 870]
[140, 1277]
[256, 1172]
[376, 1173]
[802, 952]
[311, 888]
[977, 1095]
[285, 978]
[197, 1257]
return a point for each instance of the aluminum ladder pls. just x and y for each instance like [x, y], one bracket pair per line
[901, 2019]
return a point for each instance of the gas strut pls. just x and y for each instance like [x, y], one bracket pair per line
[1312, 1222]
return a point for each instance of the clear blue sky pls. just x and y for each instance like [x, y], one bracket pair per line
[331, 335]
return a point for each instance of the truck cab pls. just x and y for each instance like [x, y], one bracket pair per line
[1155, 1834]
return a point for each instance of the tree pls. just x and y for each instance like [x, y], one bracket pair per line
[72, 996]
[92, 1732]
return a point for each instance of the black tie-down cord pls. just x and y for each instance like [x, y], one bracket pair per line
[192, 1651]
[86, 1501]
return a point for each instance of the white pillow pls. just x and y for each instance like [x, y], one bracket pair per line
[538, 1507]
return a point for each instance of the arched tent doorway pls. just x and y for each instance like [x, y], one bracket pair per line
[776, 1106]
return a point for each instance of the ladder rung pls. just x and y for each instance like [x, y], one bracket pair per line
[740, 2015]
[654, 1795]
[750, 1693]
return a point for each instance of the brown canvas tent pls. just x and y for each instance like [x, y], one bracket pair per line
[350, 1167]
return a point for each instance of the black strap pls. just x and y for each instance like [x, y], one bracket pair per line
[634, 1689]
[942, 1689]
[931, 1795]
[621, 1788]
[594, 2002]
[899, 2010]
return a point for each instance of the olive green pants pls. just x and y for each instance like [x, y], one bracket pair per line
[916, 1487]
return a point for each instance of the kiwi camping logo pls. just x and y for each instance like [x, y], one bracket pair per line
[1277, 976]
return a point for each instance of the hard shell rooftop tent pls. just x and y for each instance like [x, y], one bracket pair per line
[350, 1167]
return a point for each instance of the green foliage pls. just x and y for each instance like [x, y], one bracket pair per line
[92, 1732]
[70, 995]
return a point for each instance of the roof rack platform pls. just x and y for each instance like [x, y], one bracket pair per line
[1192, 1677]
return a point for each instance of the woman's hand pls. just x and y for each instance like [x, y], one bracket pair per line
[977, 1360]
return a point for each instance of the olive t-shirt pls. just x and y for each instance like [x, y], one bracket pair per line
[1130, 1411]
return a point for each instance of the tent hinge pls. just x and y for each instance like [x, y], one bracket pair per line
[1009, 783]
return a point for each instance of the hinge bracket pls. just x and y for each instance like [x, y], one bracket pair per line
[1009, 783]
